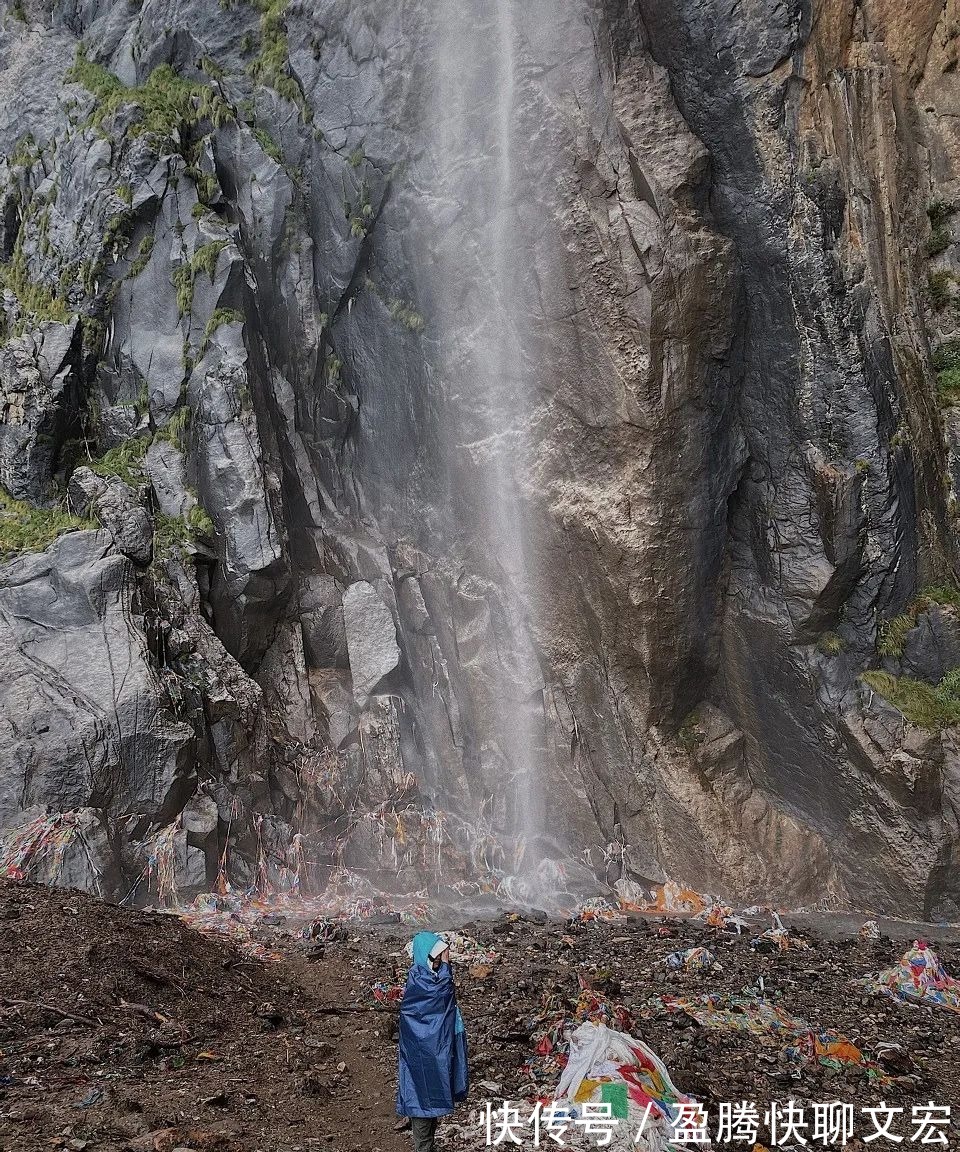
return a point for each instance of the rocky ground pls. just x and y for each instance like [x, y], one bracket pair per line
[129, 1030]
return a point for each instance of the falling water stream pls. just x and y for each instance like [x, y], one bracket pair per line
[477, 134]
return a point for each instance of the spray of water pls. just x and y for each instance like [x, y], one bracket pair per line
[476, 131]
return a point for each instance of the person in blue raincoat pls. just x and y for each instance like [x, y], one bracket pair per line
[432, 1074]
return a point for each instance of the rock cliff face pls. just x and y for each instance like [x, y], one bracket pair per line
[296, 294]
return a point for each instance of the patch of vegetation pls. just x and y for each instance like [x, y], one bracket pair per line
[25, 152]
[948, 387]
[35, 299]
[946, 355]
[91, 420]
[943, 594]
[268, 144]
[125, 461]
[938, 289]
[333, 365]
[183, 283]
[125, 192]
[184, 275]
[167, 103]
[207, 187]
[946, 363]
[116, 237]
[406, 315]
[689, 734]
[200, 522]
[893, 634]
[206, 256]
[176, 429]
[689, 737]
[922, 704]
[171, 535]
[144, 253]
[175, 534]
[948, 690]
[67, 278]
[88, 271]
[272, 64]
[356, 157]
[359, 212]
[218, 318]
[94, 77]
[939, 212]
[938, 241]
[25, 528]
[830, 644]
[93, 332]
[211, 68]
[400, 310]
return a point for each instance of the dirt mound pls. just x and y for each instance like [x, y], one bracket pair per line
[123, 1029]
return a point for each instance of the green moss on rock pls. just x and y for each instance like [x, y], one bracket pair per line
[271, 66]
[925, 705]
[35, 299]
[26, 528]
[168, 104]
[125, 461]
[218, 318]
[830, 644]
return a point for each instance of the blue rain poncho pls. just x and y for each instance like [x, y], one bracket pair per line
[432, 1074]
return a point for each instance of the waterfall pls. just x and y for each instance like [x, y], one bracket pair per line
[489, 383]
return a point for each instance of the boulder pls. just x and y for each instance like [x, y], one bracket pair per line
[39, 401]
[119, 510]
[83, 719]
[371, 638]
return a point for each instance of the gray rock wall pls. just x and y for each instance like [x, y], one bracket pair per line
[552, 466]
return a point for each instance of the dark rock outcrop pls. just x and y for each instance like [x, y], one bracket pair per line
[82, 704]
[117, 508]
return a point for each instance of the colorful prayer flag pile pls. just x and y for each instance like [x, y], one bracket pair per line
[919, 978]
